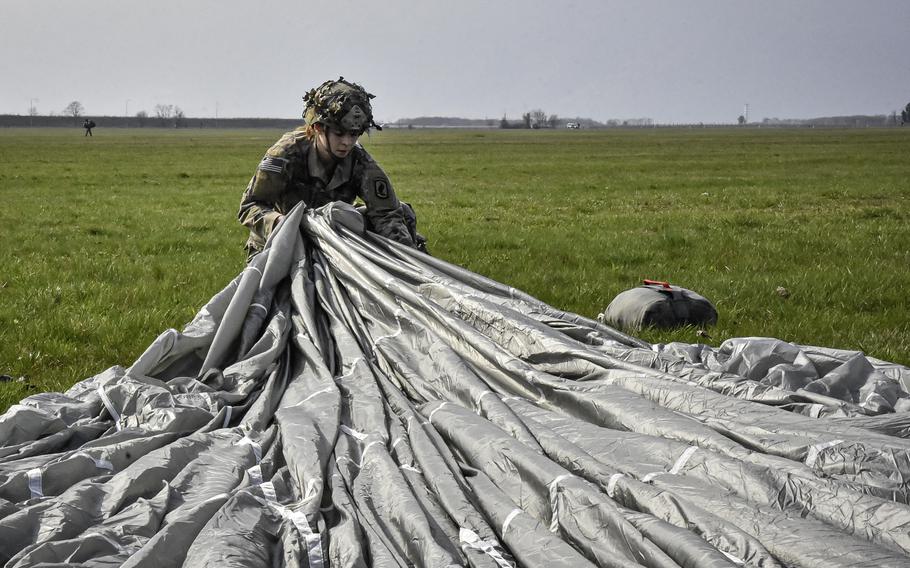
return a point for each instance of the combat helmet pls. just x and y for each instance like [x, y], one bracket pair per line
[339, 104]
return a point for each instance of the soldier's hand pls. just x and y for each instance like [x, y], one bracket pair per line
[421, 244]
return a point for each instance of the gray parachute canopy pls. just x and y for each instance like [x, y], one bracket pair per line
[347, 401]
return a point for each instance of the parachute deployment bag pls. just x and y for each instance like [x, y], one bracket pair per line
[658, 304]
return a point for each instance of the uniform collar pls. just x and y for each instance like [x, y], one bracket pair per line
[340, 176]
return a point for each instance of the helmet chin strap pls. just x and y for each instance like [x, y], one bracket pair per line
[328, 143]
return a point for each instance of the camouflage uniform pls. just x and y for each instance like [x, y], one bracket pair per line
[291, 172]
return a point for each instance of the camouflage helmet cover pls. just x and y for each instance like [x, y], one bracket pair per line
[339, 104]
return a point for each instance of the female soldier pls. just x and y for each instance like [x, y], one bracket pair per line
[322, 162]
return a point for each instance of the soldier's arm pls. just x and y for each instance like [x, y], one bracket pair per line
[383, 208]
[261, 206]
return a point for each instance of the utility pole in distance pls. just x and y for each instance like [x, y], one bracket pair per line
[32, 110]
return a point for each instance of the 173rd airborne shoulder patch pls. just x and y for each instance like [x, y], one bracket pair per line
[381, 189]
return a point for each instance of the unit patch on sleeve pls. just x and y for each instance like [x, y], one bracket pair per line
[273, 165]
[381, 189]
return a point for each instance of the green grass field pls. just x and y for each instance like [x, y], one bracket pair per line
[108, 241]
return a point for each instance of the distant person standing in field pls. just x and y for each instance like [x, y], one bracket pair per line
[322, 162]
[88, 125]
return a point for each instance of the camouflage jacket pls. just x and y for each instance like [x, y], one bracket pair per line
[290, 173]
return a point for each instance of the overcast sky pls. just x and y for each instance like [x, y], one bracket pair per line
[673, 61]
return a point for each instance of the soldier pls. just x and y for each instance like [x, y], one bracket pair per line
[88, 125]
[323, 162]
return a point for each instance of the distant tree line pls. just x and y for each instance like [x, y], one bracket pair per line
[533, 119]
[537, 118]
[856, 121]
[452, 121]
[165, 114]
[852, 121]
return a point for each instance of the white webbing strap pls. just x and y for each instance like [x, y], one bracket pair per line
[611, 485]
[353, 367]
[313, 539]
[260, 306]
[35, 482]
[648, 477]
[109, 406]
[677, 466]
[508, 521]
[367, 447]
[353, 433]
[317, 393]
[683, 458]
[314, 549]
[733, 559]
[817, 449]
[470, 539]
[99, 462]
[435, 410]
[363, 455]
[485, 393]
[391, 335]
[97, 533]
[554, 509]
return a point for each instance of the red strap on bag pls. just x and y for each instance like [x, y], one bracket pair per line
[656, 283]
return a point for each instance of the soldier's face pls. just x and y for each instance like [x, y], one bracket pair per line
[337, 142]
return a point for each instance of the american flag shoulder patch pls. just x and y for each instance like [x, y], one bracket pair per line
[273, 164]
